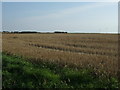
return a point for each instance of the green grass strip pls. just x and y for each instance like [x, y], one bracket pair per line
[20, 73]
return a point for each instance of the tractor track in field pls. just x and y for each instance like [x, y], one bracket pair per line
[85, 46]
[68, 50]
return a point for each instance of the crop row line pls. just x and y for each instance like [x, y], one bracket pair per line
[69, 50]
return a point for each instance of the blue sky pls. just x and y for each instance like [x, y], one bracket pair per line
[0, 16]
[66, 16]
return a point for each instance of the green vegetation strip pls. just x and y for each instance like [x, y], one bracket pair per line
[20, 73]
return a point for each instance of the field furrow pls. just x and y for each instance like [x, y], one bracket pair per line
[82, 50]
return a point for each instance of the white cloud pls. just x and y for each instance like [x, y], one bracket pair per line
[58, 20]
[65, 12]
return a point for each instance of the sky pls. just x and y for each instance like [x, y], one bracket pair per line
[0, 16]
[83, 17]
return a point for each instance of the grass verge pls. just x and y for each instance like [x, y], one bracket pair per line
[20, 73]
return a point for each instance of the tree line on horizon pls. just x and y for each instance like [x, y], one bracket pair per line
[32, 32]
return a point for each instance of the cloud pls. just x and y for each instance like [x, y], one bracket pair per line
[58, 20]
[65, 12]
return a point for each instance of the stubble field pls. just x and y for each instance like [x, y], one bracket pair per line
[98, 51]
